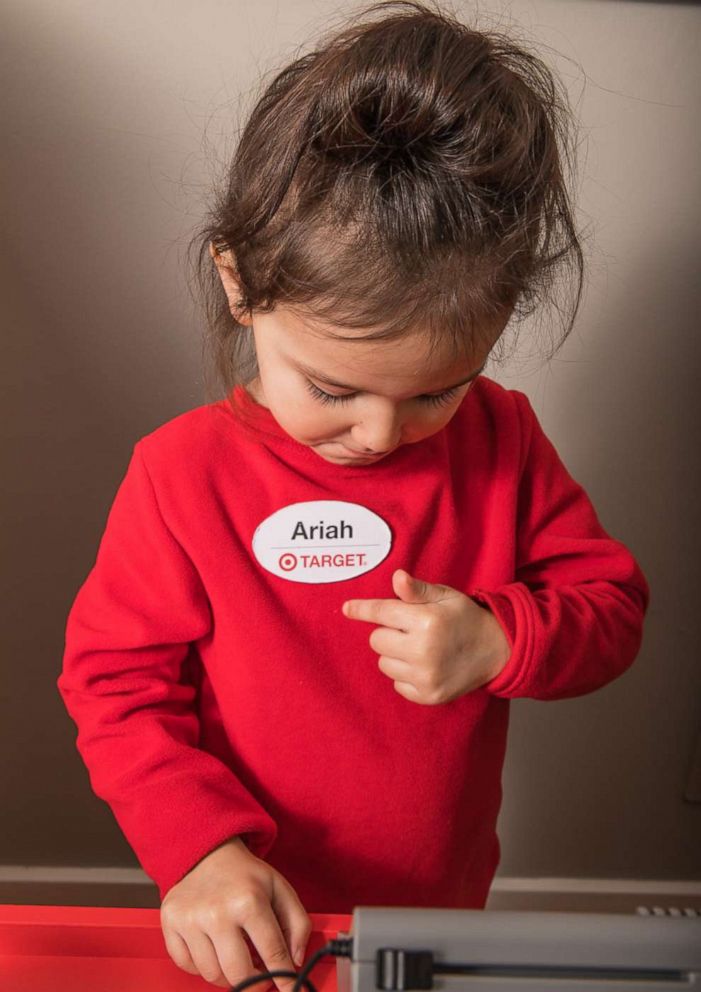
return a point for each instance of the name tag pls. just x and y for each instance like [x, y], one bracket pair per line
[324, 540]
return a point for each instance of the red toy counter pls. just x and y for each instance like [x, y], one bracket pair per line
[97, 949]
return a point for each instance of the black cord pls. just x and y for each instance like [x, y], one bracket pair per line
[266, 976]
[340, 948]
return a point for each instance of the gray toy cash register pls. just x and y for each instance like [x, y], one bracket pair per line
[464, 950]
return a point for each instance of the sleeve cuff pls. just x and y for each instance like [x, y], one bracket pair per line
[258, 834]
[511, 606]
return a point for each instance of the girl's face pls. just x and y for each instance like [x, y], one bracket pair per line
[354, 402]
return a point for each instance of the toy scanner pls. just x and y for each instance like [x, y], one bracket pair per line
[466, 950]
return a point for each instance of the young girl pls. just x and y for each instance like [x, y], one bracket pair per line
[291, 664]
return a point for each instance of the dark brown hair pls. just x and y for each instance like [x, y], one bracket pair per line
[409, 172]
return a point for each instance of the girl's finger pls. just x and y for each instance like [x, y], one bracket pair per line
[387, 612]
[295, 922]
[395, 669]
[208, 958]
[264, 930]
[408, 691]
[178, 950]
[393, 643]
[232, 954]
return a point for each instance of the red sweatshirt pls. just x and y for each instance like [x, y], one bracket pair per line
[218, 690]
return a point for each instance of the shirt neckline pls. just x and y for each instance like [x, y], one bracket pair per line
[259, 421]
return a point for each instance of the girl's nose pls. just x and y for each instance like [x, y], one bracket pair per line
[379, 434]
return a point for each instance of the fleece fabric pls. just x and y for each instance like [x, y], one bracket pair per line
[214, 698]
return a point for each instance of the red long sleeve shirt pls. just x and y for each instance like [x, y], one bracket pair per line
[217, 694]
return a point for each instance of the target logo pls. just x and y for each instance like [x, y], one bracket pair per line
[288, 562]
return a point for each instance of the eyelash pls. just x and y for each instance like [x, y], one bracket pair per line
[438, 399]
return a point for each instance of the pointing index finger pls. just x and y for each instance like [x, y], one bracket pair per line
[387, 612]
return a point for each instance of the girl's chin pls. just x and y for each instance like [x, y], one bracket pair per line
[334, 451]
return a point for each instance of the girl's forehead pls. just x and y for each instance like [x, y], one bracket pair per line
[336, 352]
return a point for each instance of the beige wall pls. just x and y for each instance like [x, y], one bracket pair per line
[105, 111]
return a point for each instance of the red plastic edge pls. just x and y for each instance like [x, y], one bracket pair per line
[112, 931]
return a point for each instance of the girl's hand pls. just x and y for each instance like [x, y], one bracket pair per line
[228, 893]
[434, 642]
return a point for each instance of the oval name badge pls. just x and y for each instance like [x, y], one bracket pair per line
[324, 540]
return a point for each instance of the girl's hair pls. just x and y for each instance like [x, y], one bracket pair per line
[408, 173]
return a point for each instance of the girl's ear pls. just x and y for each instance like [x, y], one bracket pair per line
[226, 268]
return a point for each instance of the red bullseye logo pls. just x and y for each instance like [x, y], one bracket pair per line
[288, 562]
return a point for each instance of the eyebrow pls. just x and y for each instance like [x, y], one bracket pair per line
[340, 385]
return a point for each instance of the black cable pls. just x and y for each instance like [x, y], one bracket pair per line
[266, 976]
[340, 948]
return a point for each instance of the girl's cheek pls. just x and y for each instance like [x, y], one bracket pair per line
[317, 422]
[425, 426]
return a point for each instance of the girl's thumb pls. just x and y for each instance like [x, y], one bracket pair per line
[412, 590]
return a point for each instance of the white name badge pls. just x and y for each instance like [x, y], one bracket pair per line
[324, 540]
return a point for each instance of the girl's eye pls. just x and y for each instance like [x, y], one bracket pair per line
[435, 399]
[439, 399]
[323, 397]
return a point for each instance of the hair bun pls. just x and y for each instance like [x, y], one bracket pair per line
[373, 118]
[393, 90]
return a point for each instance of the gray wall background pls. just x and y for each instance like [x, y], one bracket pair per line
[115, 118]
